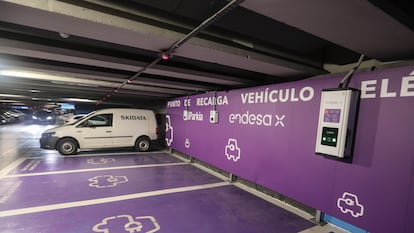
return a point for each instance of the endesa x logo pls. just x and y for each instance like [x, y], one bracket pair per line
[279, 120]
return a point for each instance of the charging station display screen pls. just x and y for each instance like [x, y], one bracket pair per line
[329, 136]
[331, 115]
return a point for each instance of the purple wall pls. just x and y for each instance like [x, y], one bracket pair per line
[276, 133]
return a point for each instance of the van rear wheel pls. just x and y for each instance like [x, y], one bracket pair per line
[142, 144]
[67, 146]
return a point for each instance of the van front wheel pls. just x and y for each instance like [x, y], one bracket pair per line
[67, 146]
[142, 144]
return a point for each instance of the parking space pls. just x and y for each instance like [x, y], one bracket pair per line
[115, 191]
[76, 163]
[125, 116]
[133, 192]
[221, 209]
[58, 188]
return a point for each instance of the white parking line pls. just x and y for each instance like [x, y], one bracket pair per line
[4, 154]
[11, 166]
[100, 154]
[44, 208]
[93, 169]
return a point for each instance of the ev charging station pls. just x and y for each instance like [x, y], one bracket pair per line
[337, 122]
[338, 114]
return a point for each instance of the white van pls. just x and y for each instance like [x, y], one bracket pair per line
[106, 128]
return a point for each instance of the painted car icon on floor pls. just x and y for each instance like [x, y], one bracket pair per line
[106, 181]
[128, 224]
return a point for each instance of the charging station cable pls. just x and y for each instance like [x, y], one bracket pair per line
[345, 81]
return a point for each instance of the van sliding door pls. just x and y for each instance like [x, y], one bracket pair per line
[96, 132]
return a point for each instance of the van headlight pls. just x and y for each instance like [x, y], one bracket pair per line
[47, 135]
[49, 118]
[34, 117]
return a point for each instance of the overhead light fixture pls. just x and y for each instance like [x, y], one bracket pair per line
[56, 79]
[64, 35]
[9, 101]
[42, 99]
[12, 96]
[79, 100]
[87, 85]
[30, 74]
[74, 84]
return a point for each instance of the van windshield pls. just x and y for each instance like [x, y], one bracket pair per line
[77, 119]
[89, 114]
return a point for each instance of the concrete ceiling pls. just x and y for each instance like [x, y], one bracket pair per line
[65, 51]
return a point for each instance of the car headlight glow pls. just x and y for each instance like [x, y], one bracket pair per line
[49, 118]
[34, 117]
[49, 134]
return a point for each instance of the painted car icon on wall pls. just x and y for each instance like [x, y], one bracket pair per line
[232, 151]
[349, 203]
[169, 132]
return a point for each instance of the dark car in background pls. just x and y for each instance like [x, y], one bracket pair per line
[3, 119]
[9, 116]
[44, 116]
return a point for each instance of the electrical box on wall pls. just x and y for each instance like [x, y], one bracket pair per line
[337, 122]
[213, 116]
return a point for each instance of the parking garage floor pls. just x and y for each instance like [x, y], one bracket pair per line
[123, 191]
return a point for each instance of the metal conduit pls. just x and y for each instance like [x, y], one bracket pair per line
[170, 51]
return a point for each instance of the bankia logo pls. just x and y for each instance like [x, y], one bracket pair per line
[192, 116]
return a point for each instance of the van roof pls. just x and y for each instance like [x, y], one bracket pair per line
[122, 109]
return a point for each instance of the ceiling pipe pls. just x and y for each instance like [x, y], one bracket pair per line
[168, 53]
[286, 58]
[223, 11]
